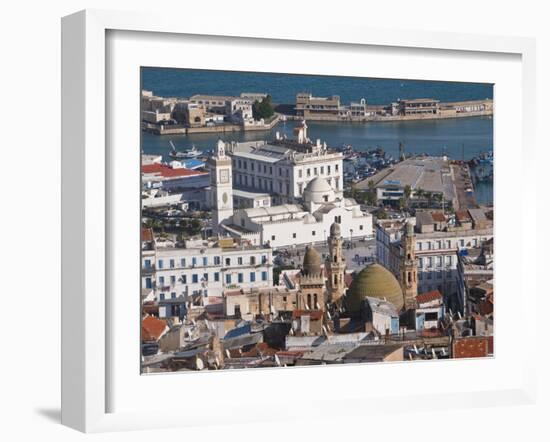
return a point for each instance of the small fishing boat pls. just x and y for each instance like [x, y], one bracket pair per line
[186, 154]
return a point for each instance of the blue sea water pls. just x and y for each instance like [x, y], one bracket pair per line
[284, 87]
[461, 138]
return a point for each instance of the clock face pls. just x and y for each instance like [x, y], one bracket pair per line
[224, 176]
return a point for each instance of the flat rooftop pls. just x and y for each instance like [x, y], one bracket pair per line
[432, 174]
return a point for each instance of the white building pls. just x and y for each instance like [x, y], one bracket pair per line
[283, 168]
[190, 276]
[289, 225]
[318, 196]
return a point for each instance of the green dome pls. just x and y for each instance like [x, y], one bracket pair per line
[374, 281]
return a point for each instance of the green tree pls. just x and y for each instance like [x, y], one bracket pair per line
[263, 109]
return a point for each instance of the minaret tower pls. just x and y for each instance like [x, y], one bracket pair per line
[221, 183]
[409, 267]
[335, 266]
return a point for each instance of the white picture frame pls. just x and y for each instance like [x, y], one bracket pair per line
[86, 215]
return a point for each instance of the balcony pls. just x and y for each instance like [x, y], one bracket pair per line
[147, 270]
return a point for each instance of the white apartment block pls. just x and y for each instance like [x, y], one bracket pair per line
[195, 274]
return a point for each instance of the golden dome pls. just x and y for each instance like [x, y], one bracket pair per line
[374, 281]
[312, 262]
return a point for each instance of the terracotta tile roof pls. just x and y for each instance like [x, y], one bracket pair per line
[471, 347]
[463, 215]
[439, 217]
[423, 298]
[147, 235]
[167, 172]
[152, 328]
[313, 314]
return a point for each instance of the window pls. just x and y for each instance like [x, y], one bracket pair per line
[361, 227]
[161, 296]
[429, 275]
[172, 280]
[449, 260]
[184, 279]
[272, 237]
[252, 260]
[148, 283]
[217, 260]
[280, 172]
[431, 316]
[161, 281]
[328, 170]
[228, 279]
[322, 170]
[172, 264]
[420, 263]
[448, 243]
[217, 276]
[204, 260]
[205, 276]
[252, 276]
[195, 278]
[313, 233]
[173, 295]
[336, 167]
[182, 262]
[161, 264]
[147, 264]
[194, 261]
[264, 276]
[418, 246]
[227, 261]
[439, 261]
[240, 260]
[430, 262]
[293, 235]
[315, 171]
[240, 277]
[300, 173]
[461, 243]
[264, 259]
[308, 172]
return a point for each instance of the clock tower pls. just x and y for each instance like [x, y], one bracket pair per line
[221, 184]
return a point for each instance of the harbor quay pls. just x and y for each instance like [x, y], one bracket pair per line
[203, 114]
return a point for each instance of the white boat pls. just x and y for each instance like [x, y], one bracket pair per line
[189, 153]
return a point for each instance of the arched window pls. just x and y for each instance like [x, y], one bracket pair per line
[409, 276]
[315, 300]
[309, 301]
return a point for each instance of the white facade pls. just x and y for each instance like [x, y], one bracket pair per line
[284, 168]
[177, 272]
[294, 224]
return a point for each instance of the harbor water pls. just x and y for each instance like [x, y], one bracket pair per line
[460, 138]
